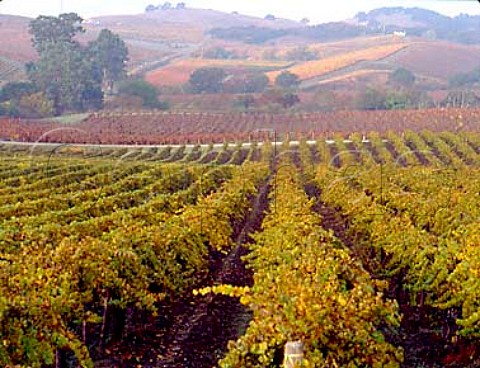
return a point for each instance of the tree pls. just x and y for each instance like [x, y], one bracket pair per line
[325, 100]
[402, 77]
[166, 6]
[111, 54]
[150, 8]
[287, 79]
[219, 53]
[181, 6]
[256, 82]
[245, 101]
[144, 90]
[69, 78]
[36, 105]
[465, 79]
[461, 99]
[207, 80]
[289, 100]
[371, 99]
[69, 74]
[14, 91]
[305, 21]
[47, 30]
[397, 101]
[301, 53]
[247, 83]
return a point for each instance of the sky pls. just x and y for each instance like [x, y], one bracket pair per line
[317, 11]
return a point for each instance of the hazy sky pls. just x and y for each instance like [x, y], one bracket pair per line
[316, 10]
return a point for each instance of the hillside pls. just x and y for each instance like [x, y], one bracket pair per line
[187, 26]
[438, 59]
[15, 39]
[415, 54]
[10, 70]
[167, 45]
[151, 37]
[422, 22]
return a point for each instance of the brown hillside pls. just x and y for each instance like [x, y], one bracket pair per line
[14, 38]
[151, 37]
[185, 25]
[438, 59]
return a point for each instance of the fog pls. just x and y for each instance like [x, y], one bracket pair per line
[317, 12]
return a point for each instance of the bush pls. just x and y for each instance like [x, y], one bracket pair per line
[144, 90]
[371, 99]
[402, 77]
[247, 83]
[207, 80]
[14, 91]
[287, 80]
[36, 105]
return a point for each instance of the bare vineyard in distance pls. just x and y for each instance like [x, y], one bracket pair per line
[217, 252]
[161, 128]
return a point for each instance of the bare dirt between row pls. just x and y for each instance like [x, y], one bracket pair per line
[425, 333]
[194, 332]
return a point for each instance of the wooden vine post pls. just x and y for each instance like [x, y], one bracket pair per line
[293, 356]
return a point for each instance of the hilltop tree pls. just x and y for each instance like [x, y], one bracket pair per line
[111, 54]
[151, 8]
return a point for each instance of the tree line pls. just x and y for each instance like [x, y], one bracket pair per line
[217, 80]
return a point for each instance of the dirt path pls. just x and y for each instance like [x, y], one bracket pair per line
[201, 334]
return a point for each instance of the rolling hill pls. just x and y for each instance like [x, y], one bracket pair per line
[421, 22]
[167, 45]
[15, 39]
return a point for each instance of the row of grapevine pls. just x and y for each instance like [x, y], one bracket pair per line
[76, 275]
[419, 226]
[204, 128]
[337, 150]
[308, 287]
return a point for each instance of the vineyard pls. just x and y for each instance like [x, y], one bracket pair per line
[365, 249]
[157, 128]
[179, 72]
[316, 68]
